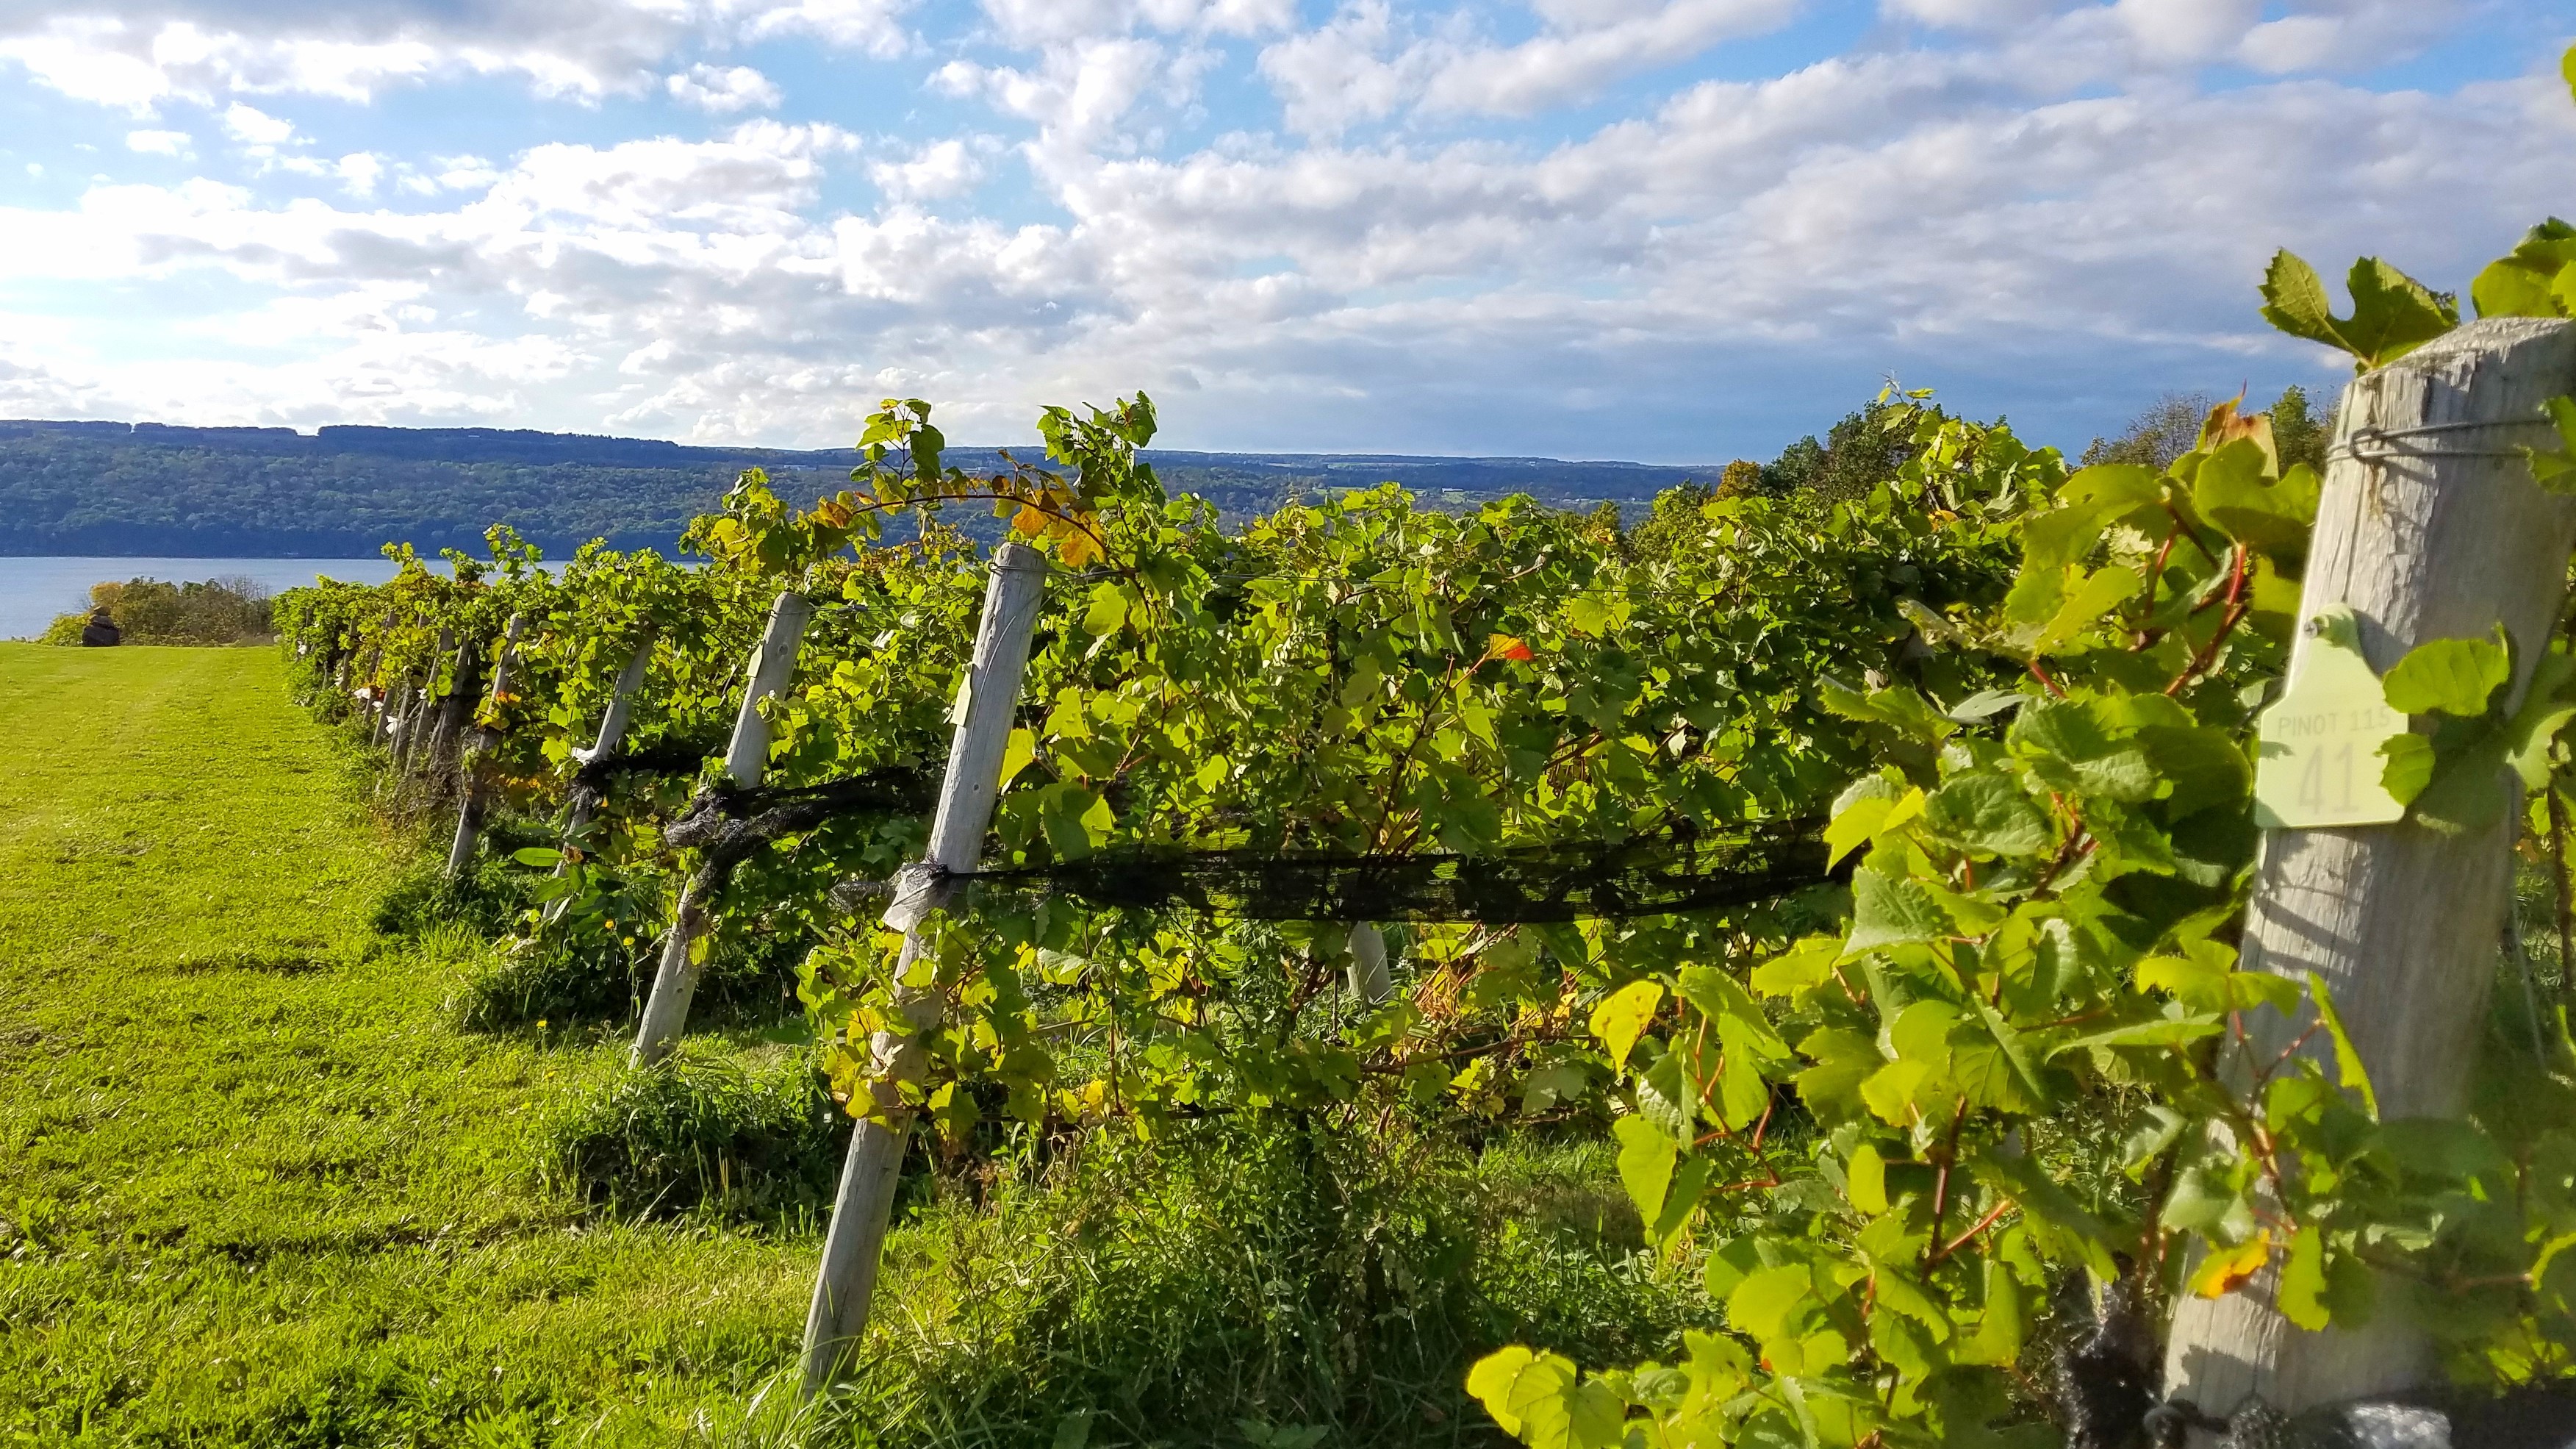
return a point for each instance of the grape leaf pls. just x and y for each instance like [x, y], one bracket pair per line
[2455, 676]
[1621, 1017]
[2392, 313]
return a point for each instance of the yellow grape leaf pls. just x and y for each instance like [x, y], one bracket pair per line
[1077, 549]
[1622, 1016]
[1016, 755]
[1868, 818]
[1764, 1304]
[1809, 963]
[1865, 1180]
[2227, 1269]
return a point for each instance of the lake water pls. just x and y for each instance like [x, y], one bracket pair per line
[34, 590]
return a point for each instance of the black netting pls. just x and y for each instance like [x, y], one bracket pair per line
[728, 822]
[1648, 876]
[683, 757]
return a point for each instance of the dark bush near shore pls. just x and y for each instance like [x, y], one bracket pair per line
[149, 611]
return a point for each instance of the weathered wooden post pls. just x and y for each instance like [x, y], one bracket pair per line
[864, 1205]
[612, 733]
[773, 663]
[380, 704]
[469, 813]
[2430, 527]
[408, 702]
[1371, 981]
[365, 675]
[416, 724]
[455, 709]
[412, 750]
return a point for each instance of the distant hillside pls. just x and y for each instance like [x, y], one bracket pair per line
[145, 488]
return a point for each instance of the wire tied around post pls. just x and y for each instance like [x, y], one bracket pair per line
[2378, 445]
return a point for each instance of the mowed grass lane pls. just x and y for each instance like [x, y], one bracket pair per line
[253, 1188]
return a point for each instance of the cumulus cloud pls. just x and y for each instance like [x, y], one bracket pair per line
[160, 143]
[1044, 22]
[141, 54]
[2352, 34]
[1360, 66]
[359, 171]
[2041, 193]
[722, 90]
[943, 168]
[253, 127]
[1967, 14]
[1078, 94]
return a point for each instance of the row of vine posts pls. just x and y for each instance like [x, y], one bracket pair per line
[2428, 528]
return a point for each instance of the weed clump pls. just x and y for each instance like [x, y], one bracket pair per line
[1232, 1284]
[488, 900]
[600, 977]
[702, 1136]
[530, 980]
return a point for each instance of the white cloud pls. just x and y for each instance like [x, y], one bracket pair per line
[1047, 22]
[722, 90]
[1078, 95]
[253, 127]
[873, 27]
[359, 171]
[1578, 59]
[160, 143]
[754, 180]
[1333, 76]
[2346, 35]
[943, 168]
[1967, 14]
[140, 54]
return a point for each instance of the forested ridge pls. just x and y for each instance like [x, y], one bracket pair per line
[141, 489]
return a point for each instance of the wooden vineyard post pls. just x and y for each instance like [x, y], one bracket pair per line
[413, 753]
[407, 704]
[773, 663]
[469, 813]
[612, 733]
[864, 1204]
[455, 709]
[381, 703]
[416, 723]
[2430, 527]
[1371, 982]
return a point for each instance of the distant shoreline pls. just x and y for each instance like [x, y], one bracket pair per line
[35, 588]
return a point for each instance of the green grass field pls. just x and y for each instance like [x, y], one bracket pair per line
[255, 1190]
[258, 1187]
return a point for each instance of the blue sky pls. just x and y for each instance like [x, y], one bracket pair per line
[1673, 230]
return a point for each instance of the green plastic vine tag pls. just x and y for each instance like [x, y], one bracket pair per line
[2319, 756]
